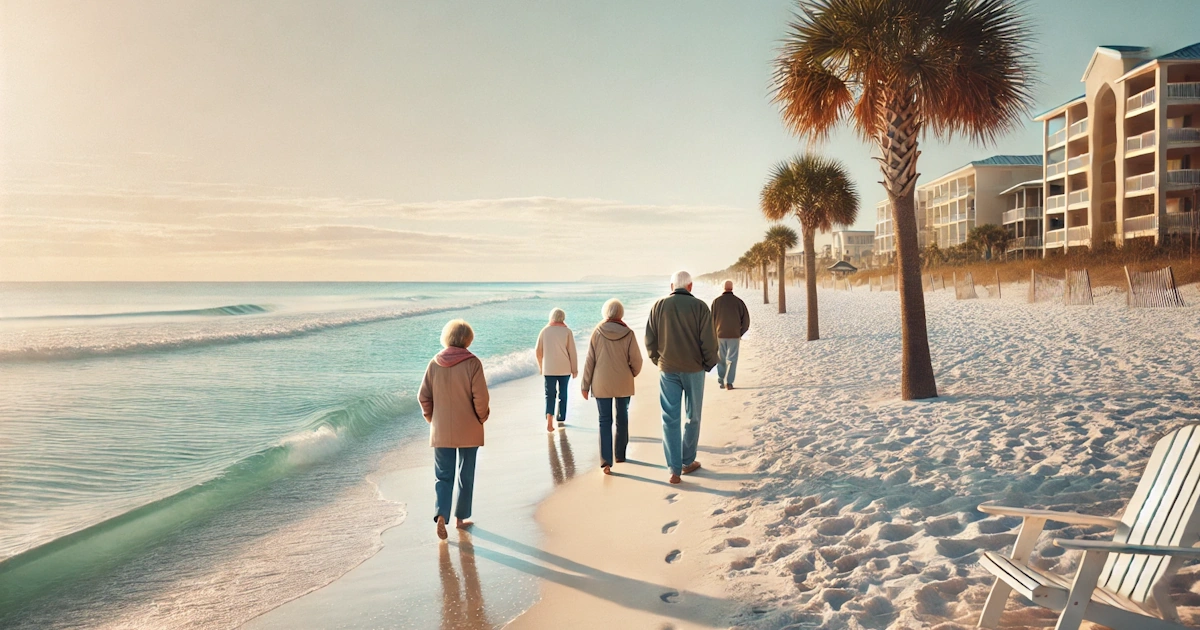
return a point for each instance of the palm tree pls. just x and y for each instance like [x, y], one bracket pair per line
[989, 238]
[760, 254]
[781, 238]
[819, 192]
[898, 68]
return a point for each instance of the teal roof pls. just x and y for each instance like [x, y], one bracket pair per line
[1187, 52]
[1125, 48]
[1010, 160]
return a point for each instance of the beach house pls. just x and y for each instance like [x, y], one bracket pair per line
[1022, 219]
[1122, 160]
[852, 244]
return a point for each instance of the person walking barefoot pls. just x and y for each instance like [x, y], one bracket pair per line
[682, 342]
[454, 401]
[613, 360]
[557, 363]
[732, 320]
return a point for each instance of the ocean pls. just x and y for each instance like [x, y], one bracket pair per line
[184, 451]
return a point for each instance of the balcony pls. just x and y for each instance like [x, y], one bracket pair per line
[1024, 242]
[1080, 127]
[1139, 184]
[1078, 198]
[1058, 168]
[1181, 135]
[1057, 202]
[1081, 235]
[1183, 178]
[1020, 214]
[1078, 162]
[1139, 101]
[1056, 238]
[1183, 91]
[1145, 223]
[1181, 222]
[1139, 142]
[1056, 138]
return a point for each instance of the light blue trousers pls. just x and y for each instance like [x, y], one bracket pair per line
[727, 356]
[673, 390]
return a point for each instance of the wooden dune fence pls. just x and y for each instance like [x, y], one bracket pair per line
[888, 283]
[1078, 288]
[993, 287]
[964, 287]
[1152, 289]
[1075, 289]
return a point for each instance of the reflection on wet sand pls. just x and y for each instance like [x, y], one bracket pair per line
[561, 469]
[462, 609]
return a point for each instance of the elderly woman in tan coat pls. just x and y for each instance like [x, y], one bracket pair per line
[558, 364]
[454, 399]
[613, 360]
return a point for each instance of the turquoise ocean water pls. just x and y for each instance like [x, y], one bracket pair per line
[158, 438]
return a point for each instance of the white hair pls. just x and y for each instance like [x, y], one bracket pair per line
[729, 284]
[457, 333]
[557, 316]
[681, 279]
[613, 309]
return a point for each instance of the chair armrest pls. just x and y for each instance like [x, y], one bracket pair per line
[1116, 547]
[1072, 518]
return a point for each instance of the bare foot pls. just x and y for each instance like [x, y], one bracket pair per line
[463, 524]
[675, 479]
[550, 423]
[441, 528]
[607, 470]
[691, 468]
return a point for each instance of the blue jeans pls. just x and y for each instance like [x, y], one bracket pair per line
[673, 389]
[606, 428]
[560, 383]
[443, 470]
[727, 356]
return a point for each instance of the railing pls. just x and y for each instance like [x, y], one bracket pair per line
[1183, 134]
[1185, 91]
[1020, 214]
[1056, 237]
[1081, 233]
[1079, 196]
[1141, 224]
[1024, 242]
[1182, 222]
[1079, 161]
[1056, 168]
[1139, 182]
[1055, 202]
[1080, 126]
[1140, 100]
[1184, 177]
[1056, 138]
[1139, 142]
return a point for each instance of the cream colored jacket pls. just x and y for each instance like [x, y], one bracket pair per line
[455, 401]
[613, 360]
[556, 352]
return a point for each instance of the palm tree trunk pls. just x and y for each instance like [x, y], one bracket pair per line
[766, 282]
[782, 296]
[810, 282]
[898, 148]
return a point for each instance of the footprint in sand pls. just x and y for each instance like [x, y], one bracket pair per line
[671, 498]
[673, 556]
[670, 527]
[669, 597]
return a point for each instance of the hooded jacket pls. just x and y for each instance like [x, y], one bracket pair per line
[613, 360]
[454, 399]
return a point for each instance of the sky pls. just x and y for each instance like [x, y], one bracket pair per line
[432, 141]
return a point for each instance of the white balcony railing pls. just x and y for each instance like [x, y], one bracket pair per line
[1020, 214]
[1080, 126]
[1079, 234]
[1056, 237]
[1024, 242]
[1079, 161]
[1057, 138]
[1139, 142]
[1183, 134]
[1140, 100]
[1182, 222]
[1184, 91]
[1056, 202]
[1056, 169]
[1139, 183]
[1079, 196]
[1184, 177]
[1141, 224]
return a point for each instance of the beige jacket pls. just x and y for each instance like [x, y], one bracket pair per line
[613, 360]
[556, 352]
[454, 400]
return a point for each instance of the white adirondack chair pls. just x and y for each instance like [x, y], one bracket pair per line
[1118, 579]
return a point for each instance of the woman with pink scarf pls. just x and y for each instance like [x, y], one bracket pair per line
[454, 400]
[558, 363]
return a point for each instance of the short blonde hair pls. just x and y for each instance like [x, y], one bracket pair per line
[557, 316]
[613, 309]
[457, 333]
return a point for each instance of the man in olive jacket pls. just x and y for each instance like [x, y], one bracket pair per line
[681, 341]
[732, 320]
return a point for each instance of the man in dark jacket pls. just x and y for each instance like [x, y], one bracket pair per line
[732, 321]
[681, 341]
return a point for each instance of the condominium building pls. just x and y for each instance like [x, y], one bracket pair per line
[1122, 161]
[951, 205]
[852, 244]
[1023, 218]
